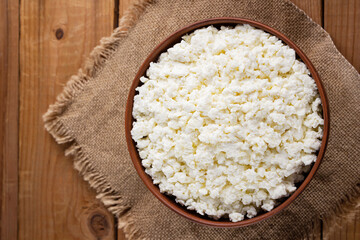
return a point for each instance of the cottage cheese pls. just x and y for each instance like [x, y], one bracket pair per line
[227, 121]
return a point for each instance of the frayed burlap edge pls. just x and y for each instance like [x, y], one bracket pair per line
[344, 210]
[109, 197]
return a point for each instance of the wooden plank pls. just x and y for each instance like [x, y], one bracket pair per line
[342, 21]
[346, 229]
[313, 8]
[56, 38]
[9, 85]
[357, 226]
[120, 235]
[123, 6]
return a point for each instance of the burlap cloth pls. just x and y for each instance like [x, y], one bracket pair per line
[89, 114]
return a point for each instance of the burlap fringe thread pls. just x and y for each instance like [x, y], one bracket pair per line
[112, 200]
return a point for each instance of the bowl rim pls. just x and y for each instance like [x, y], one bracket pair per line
[153, 56]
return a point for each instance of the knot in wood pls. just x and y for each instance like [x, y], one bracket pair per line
[99, 225]
[59, 33]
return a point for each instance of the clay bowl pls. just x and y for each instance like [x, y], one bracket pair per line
[168, 200]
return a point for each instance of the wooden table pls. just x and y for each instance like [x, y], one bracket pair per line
[42, 43]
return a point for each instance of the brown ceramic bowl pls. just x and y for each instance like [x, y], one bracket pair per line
[168, 200]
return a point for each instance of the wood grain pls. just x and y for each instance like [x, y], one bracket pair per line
[313, 8]
[56, 38]
[347, 229]
[123, 6]
[342, 21]
[9, 93]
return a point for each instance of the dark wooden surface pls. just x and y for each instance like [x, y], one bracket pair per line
[43, 43]
[9, 117]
